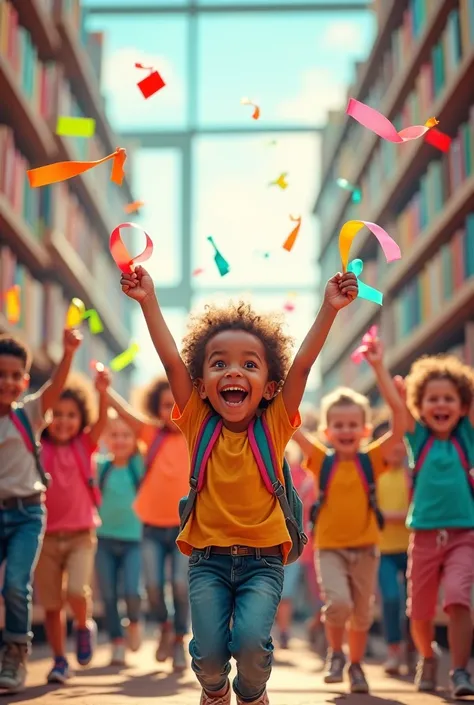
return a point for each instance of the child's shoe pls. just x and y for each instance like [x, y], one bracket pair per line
[134, 635]
[357, 679]
[118, 653]
[426, 677]
[221, 700]
[335, 664]
[284, 640]
[393, 663]
[13, 673]
[263, 700]
[86, 643]
[165, 644]
[59, 672]
[179, 657]
[461, 684]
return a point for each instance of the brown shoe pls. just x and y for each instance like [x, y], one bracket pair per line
[164, 650]
[263, 700]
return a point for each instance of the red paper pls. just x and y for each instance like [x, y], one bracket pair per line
[150, 84]
[438, 139]
[120, 253]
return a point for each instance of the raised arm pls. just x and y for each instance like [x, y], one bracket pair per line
[139, 286]
[102, 382]
[304, 443]
[340, 291]
[51, 391]
[134, 419]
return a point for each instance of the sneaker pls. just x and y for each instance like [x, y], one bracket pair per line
[335, 664]
[13, 673]
[118, 653]
[392, 665]
[179, 657]
[263, 700]
[426, 674]
[357, 679]
[461, 683]
[86, 642]
[165, 645]
[134, 635]
[221, 700]
[59, 672]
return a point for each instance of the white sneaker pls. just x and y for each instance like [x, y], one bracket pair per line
[222, 700]
[118, 654]
[13, 673]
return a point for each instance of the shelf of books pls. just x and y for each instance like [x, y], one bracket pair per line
[54, 240]
[423, 197]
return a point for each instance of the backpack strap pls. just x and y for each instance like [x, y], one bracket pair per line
[366, 472]
[461, 449]
[264, 453]
[104, 475]
[83, 462]
[154, 447]
[131, 469]
[20, 420]
[134, 471]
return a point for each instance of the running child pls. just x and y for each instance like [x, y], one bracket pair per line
[166, 481]
[437, 404]
[233, 363]
[22, 486]
[65, 567]
[118, 558]
[347, 526]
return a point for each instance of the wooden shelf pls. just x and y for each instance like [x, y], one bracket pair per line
[40, 26]
[72, 272]
[17, 235]
[41, 366]
[31, 131]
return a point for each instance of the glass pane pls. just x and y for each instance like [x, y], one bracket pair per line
[148, 363]
[162, 44]
[296, 67]
[126, 3]
[234, 203]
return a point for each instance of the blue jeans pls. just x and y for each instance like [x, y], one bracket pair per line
[117, 559]
[246, 589]
[21, 535]
[159, 553]
[392, 583]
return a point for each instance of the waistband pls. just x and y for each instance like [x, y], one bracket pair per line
[242, 551]
[33, 500]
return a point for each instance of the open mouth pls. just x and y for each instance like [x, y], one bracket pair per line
[346, 442]
[234, 396]
[441, 418]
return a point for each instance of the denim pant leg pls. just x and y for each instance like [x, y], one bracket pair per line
[258, 589]
[179, 580]
[212, 602]
[391, 594]
[155, 549]
[132, 561]
[107, 567]
[23, 531]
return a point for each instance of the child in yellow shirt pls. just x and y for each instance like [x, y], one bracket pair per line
[234, 527]
[347, 526]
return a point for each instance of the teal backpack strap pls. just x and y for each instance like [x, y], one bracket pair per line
[104, 474]
[366, 472]
[208, 434]
[135, 466]
[20, 419]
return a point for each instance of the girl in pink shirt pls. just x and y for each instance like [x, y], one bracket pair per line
[66, 563]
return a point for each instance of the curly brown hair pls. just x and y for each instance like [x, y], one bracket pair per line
[151, 398]
[268, 328]
[432, 367]
[79, 389]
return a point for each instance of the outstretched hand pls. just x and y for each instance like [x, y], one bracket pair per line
[138, 285]
[341, 290]
[374, 352]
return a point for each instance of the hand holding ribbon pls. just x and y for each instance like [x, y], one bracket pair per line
[120, 253]
[376, 122]
[359, 353]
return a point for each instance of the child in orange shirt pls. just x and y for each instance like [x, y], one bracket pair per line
[233, 363]
[165, 482]
[347, 527]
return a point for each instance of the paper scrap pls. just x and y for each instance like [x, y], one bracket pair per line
[289, 306]
[222, 264]
[438, 139]
[350, 229]
[347, 186]
[120, 253]
[256, 112]
[61, 171]
[75, 126]
[75, 313]
[125, 358]
[134, 207]
[13, 304]
[198, 271]
[152, 83]
[281, 181]
[376, 122]
[291, 239]
[359, 353]
[95, 324]
[365, 291]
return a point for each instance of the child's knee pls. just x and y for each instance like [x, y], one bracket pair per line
[337, 612]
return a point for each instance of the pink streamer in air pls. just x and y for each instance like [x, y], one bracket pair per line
[359, 353]
[376, 122]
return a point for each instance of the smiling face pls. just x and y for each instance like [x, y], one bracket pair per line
[13, 380]
[346, 428]
[67, 421]
[441, 407]
[120, 440]
[235, 377]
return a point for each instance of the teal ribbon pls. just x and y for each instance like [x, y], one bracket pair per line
[365, 291]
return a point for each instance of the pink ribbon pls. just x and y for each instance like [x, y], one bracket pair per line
[359, 353]
[376, 122]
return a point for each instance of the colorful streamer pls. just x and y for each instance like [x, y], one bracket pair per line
[75, 126]
[13, 304]
[359, 353]
[291, 239]
[281, 181]
[198, 271]
[61, 171]
[350, 229]
[347, 186]
[256, 112]
[376, 122]
[134, 207]
[120, 253]
[221, 263]
[75, 313]
[125, 358]
[95, 324]
[438, 139]
[152, 83]
[365, 291]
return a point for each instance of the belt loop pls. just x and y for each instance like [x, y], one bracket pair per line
[207, 552]
[258, 554]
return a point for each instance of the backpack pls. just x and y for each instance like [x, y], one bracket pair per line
[131, 469]
[366, 473]
[90, 481]
[265, 457]
[20, 420]
[155, 446]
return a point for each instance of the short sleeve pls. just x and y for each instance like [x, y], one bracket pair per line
[313, 463]
[374, 451]
[414, 440]
[190, 420]
[280, 425]
[32, 405]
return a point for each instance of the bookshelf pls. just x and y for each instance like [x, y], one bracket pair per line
[54, 241]
[423, 198]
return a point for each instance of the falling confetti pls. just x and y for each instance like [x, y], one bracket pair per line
[256, 112]
[152, 83]
[222, 264]
[125, 358]
[134, 207]
[291, 239]
[75, 126]
[281, 181]
[198, 271]
[347, 186]
[13, 304]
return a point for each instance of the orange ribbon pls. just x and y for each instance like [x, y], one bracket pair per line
[134, 206]
[61, 171]
[291, 239]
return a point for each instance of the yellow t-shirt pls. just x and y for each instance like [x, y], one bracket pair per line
[393, 495]
[234, 506]
[345, 519]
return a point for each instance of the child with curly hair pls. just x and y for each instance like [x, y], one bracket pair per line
[436, 402]
[165, 482]
[234, 363]
[66, 563]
